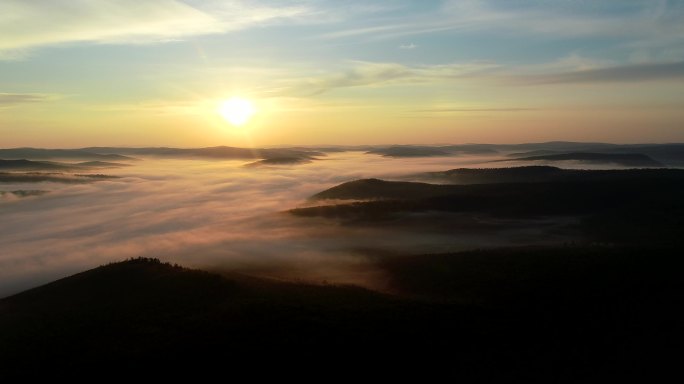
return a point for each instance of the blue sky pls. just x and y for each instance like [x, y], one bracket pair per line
[153, 72]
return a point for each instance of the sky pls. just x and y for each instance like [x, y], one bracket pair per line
[77, 73]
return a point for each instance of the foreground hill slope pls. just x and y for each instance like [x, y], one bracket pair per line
[145, 311]
[538, 315]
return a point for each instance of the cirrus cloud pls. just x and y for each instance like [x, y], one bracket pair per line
[12, 99]
[612, 74]
[30, 24]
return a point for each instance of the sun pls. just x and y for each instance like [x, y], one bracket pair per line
[237, 110]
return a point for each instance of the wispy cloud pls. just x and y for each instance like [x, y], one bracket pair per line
[30, 24]
[651, 21]
[570, 69]
[452, 110]
[10, 99]
[362, 74]
[408, 46]
[367, 74]
[623, 73]
[382, 30]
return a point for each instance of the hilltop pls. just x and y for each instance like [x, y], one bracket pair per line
[532, 314]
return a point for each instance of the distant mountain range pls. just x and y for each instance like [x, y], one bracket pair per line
[54, 177]
[32, 165]
[220, 152]
[411, 151]
[31, 171]
[125, 154]
[666, 154]
[63, 154]
[102, 164]
[625, 159]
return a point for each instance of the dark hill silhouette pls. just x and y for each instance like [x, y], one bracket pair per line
[539, 152]
[512, 276]
[372, 189]
[473, 149]
[376, 189]
[102, 164]
[71, 154]
[23, 193]
[541, 173]
[55, 177]
[28, 165]
[484, 149]
[142, 312]
[631, 206]
[670, 154]
[512, 315]
[534, 173]
[560, 146]
[514, 199]
[31, 165]
[280, 161]
[220, 152]
[410, 151]
[626, 159]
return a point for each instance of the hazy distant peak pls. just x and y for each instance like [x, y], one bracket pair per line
[626, 159]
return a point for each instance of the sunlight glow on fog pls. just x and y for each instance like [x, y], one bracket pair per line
[205, 214]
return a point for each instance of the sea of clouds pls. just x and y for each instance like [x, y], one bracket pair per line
[217, 214]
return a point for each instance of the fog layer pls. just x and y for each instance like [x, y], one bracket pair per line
[212, 214]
